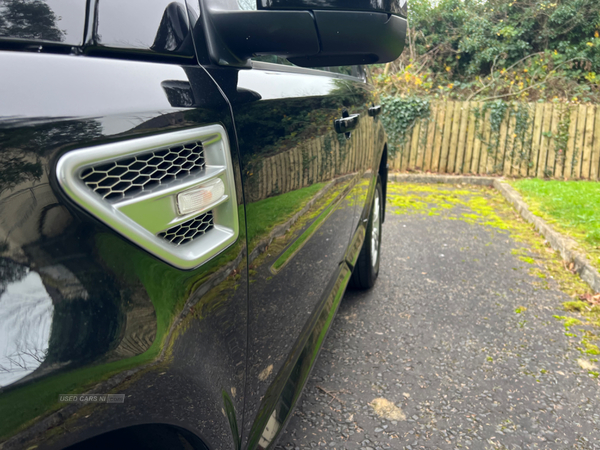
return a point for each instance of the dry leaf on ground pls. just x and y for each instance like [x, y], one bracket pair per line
[265, 373]
[585, 364]
[386, 409]
[591, 299]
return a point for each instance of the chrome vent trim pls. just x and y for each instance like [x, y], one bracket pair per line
[128, 177]
[148, 215]
[188, 231]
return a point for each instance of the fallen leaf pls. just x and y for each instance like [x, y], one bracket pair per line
[386, 409]
[265, 373]
[585, 364]
[591, 299]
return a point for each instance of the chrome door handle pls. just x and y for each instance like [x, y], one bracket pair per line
[346, 124]
[374, 110]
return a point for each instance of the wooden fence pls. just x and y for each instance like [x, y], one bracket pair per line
[524, 140]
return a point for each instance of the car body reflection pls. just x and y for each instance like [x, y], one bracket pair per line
[26, 311]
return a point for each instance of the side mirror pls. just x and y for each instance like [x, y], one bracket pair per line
[309, 33]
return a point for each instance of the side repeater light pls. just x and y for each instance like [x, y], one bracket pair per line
[201, 198]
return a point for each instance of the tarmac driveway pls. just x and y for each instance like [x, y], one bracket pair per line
[457, 346]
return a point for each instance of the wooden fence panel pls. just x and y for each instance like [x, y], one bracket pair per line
[544, 140]
[453, 146]
[527, 143]
[475, 161]
[579, 140]
[453, 140]
[588, 142]
[551, 158]
[470, 142]
[497, 166]
[485, 144]
[511, 144]
[570, 156]
[428, 154]
[462, 137]
[559, 148]
[446, 137]
[439, 132]
[595, 168]
[414, 145]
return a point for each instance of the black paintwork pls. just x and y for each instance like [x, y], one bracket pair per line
[388, 6]
[215, 356]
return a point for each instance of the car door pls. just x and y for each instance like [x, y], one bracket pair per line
[299, 177]
[109, 282]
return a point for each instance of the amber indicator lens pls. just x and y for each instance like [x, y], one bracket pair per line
[200, 198]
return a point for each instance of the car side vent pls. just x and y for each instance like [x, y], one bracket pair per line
[171, 194]
[190, 230]
[126, 177]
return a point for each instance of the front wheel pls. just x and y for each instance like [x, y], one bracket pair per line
[367, 266]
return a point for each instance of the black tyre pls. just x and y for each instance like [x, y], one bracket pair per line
[367, 267]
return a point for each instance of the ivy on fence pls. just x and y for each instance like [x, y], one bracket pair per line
[516, 138]
[400, 116]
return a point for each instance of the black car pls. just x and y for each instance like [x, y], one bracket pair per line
[184, 199]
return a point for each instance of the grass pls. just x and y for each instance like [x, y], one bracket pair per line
[572, 207]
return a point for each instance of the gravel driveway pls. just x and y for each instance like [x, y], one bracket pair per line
[457, 346]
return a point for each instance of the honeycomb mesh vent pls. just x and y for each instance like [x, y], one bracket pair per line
[127, 177]
[188, 231]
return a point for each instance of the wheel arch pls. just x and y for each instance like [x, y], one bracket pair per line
[147, 436]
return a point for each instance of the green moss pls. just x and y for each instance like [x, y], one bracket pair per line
[575, 306]
[520, 309]
[568, 322]
[406, 198]
[527, 259]
[537, 273]
[590, 349]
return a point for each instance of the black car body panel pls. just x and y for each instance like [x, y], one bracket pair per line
[292, 156]
[112, 311]
[210, 357]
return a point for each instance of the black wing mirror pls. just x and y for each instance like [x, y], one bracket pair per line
[310, 33]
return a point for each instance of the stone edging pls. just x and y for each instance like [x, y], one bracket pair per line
[565, 245]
